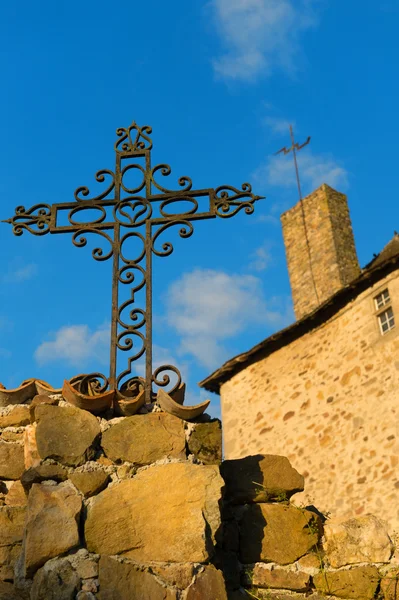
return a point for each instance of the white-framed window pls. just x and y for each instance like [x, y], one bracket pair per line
[382, 299]
[385, 316]
[386, 320]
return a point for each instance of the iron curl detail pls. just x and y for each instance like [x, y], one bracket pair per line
[26, 219]
[133, 145]
[132, 234]
[184, 182]
[135, 314]
[128, 343]
[100, 177]
[137, 189]
[167, 248]
[97, 253]
[170, 201]
[89, 207]
[134, 219]
[132, 387]
[165, 381]
[228, 200]
[90, 382]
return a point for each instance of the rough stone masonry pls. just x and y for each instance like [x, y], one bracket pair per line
[143, 508]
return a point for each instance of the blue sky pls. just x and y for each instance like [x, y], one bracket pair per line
[218, 81]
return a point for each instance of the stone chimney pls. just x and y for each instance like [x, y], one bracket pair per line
[320, 248]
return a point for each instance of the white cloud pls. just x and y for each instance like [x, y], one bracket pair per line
[261, 258]
[260, 35]
[314, 169]
[76, 345]
[17, 275]
[278, 124]
[207, 307]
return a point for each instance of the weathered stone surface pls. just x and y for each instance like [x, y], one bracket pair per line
[390, 585]
[85, 596]
[41, 473]
[120, 581]
[8, 557]
[167, 513]
[89, 482]
[11, 460]
[358, 540]
[57, 580]
[177, 574]
[360, 583]
[37, 400]
[17, 417]
[31, 453]
[16, 495]
[7, 592]
[260, 478]
[65, 433]
[208, 584]
[12, 520]
[51, 524]
[276, 533]
[144, 439]
[11, 436]
[205, 442]
[85, 566]
[261, 576]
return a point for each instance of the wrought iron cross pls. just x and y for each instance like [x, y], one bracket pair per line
[125, 213]
[294, 147]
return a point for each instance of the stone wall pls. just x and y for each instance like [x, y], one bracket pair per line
[276, 549]
[320, 248]
[141, 508]
[107, 508]
[329, 402]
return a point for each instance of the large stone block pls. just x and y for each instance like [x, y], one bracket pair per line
[208, 584]
[260, 478]
[357, 540]
[11, 460]
[144, 439]
[360, 583]
[57, 580]
[43, 472]
[167, 513]
[205, 442]
[124, 581]
[277, 533]
[89, 483]
[51, 524]
[17, 417]
[65, 433]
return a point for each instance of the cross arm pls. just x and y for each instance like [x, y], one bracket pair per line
[41, 219]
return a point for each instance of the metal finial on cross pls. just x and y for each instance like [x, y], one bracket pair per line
[126, 214]
[294, 147]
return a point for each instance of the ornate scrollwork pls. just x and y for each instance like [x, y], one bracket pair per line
[82, 208]
[165, 380]
[167, 248]
[90, 383]
[228, 200]
[97, 253]
[184, 182]
[137, 189]
[133, 145]
[38, 216]
[171, 201]
[100, 177]
[133, 211]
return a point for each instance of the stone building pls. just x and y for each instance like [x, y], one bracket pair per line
[324, 391]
